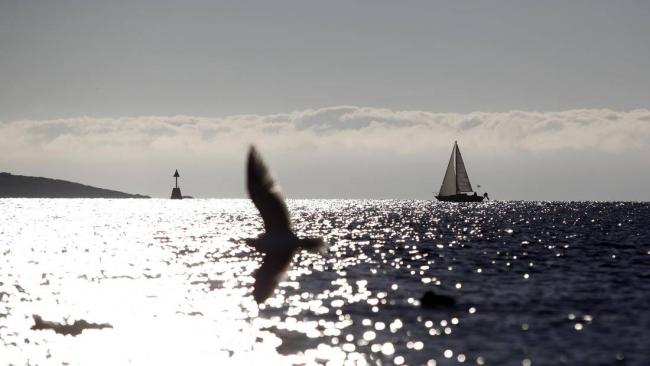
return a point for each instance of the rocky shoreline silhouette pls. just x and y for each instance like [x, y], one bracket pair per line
[21, 186]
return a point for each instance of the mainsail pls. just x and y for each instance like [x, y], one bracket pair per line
[462, 180]
[456, 179]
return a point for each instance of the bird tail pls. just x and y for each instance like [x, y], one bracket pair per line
[313, 245]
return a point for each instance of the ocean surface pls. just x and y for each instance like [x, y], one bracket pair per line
[535, 283]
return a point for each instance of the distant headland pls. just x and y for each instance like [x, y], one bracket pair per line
[20, 186]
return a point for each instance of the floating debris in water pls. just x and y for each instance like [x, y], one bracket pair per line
[73, 329]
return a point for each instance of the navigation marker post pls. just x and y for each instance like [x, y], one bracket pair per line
[176, 191]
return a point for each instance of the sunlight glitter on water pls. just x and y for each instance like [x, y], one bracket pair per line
[174, 279]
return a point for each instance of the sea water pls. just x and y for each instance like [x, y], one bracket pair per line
[535, 283]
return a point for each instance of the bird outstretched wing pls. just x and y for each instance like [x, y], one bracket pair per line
[270, 273]
[266, 195]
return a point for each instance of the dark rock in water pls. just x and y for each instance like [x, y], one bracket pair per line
[73, 329]
[20, 186]
[431, 300]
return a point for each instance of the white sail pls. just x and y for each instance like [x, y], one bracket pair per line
[462, 180]
[448, 187]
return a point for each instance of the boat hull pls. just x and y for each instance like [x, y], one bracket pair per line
[460, 198]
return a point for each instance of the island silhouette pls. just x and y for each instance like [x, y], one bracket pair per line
[21, 186]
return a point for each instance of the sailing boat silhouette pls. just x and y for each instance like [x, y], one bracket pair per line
[456, 186]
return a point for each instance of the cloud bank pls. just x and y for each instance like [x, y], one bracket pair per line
[345, 151]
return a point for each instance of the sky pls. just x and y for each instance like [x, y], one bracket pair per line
[352, 99]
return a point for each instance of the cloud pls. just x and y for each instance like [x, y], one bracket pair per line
[333, 136]
[345, 126]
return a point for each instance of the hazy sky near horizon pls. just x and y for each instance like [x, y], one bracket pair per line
[348, 98]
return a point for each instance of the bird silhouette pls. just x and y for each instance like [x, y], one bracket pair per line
[278, 243]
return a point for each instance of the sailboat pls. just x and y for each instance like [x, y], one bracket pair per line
[456, 186]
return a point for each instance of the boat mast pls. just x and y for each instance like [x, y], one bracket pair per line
[456, 165]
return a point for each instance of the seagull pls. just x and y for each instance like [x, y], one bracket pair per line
[278, 243]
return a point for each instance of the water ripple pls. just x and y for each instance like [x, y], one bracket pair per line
[535, 283]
